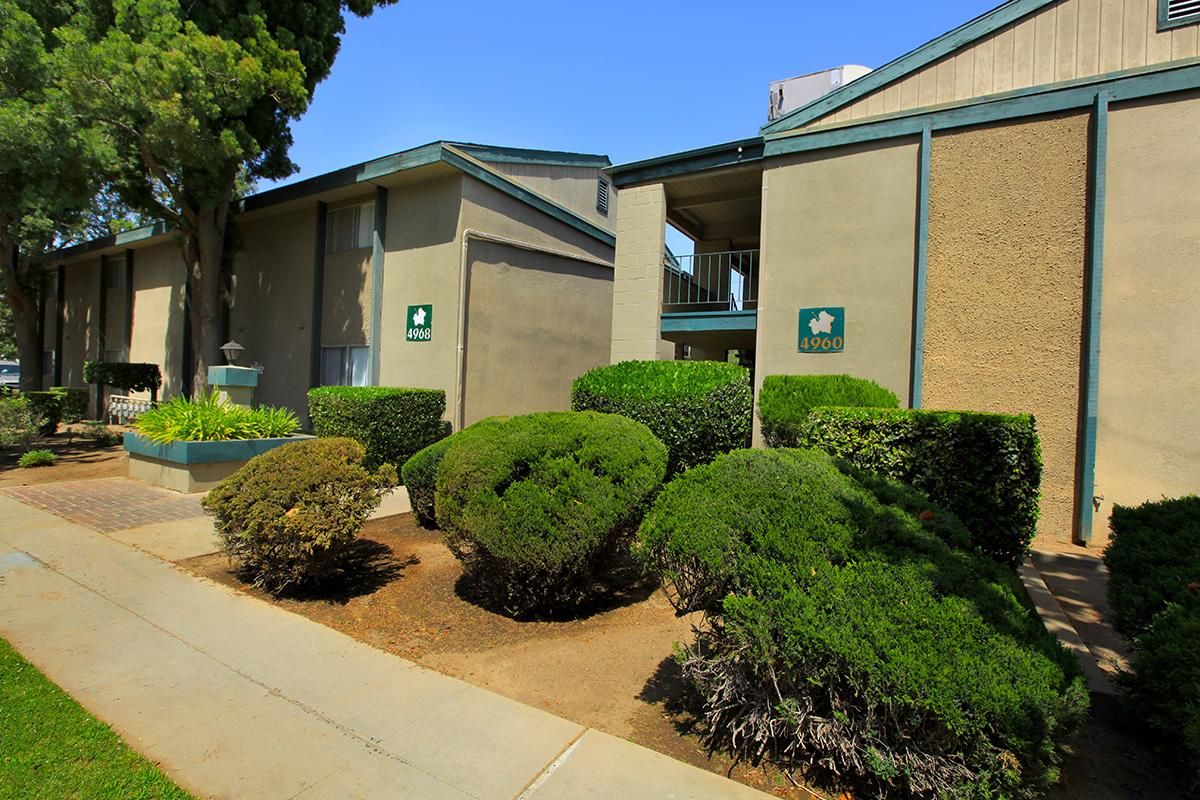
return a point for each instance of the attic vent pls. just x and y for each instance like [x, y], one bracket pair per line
[602, 190]
[1173, 13]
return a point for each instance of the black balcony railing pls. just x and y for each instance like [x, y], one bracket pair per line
[711, 282]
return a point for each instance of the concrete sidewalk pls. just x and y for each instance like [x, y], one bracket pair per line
[237, 698]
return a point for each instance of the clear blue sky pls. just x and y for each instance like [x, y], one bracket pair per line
[631, 79]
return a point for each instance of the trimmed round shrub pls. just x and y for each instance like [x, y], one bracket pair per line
[1152, 558]
[135, 377]
[784, 402]
[699, 409]
[419, 476]
[391, 423]
[536, 506]
[843, 637]
[290, 516]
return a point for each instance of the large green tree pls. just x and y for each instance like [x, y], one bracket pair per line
[198, 98]
[48, 166]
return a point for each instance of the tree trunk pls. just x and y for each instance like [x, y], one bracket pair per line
[203, 251]
[21, 293]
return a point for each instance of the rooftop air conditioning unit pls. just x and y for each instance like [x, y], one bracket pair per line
[791, 93]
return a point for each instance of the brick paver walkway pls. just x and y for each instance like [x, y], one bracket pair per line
[110, 504]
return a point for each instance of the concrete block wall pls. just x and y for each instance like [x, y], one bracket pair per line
[638, 283]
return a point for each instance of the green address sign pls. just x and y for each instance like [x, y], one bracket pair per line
[418, 325]
[823, 330]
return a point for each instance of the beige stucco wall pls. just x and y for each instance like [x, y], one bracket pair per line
[80, 318]
[1065, 40]
[272, 303]
[571, 187]
[1148, 442]
[839, 229]
[1004, 298]
[638, 281]
[158, 276]
[534, 323]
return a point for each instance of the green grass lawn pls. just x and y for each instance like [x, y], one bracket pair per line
[51, 748]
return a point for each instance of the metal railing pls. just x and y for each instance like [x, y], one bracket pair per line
[711, 281]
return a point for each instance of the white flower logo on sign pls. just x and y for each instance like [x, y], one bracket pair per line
[419, 318]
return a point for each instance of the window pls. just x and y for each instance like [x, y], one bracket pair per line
[114, 273]
[602, 194]
[350, 228]
[1175, 13]
[344, 366]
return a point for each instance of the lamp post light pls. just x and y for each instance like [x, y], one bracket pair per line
[232, 351]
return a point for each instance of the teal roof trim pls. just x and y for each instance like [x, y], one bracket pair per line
[729, 154]
[520, 155]
[116, 240]
[924, 55]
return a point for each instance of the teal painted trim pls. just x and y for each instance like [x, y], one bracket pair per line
[924, 55]
[497, 181]
[205, 452]
[378, 255]
[228, 375]
[922, 264]
[722, 155]
[1066, 96]
[699, 322]
[117, 240]
[1165, 23]
[1094, 301]
[521, 155]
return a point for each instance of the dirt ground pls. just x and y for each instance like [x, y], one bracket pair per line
[611, 670]
[78, 459]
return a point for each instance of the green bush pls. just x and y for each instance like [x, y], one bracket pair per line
[99, 432]
[72, 402]
[784, 402]
[46, 405]
[419, 476]
[208, 419]
[126, 377]
[1152, 557]
[290, 516]
[36, 458]
[844, 638]
[986, 468]
[699, 409]
[535, 506]
[391, 423]
[20, 422]
[1162, 688]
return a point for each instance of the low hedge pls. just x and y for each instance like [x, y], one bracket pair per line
[699, 409]
[290, 516]
[536, 506]
[47, 406]
[986, 468]
[391, 423]
[72, 402]
[1152, 558]
[135, 377]
[784, 402]
[419, 476]
[844, 638]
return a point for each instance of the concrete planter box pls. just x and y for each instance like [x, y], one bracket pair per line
[192, 467]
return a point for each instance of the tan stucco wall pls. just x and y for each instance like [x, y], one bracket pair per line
[1148, 442]
[81, 318]
[638, 283]
[272, 304]
[1004, 298]
[534, 323]
[572, 187]
[839, 229]
[1065, 40]
[158, 275]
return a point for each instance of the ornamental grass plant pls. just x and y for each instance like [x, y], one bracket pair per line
[208, 419]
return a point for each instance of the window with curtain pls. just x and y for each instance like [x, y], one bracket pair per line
[345, 366]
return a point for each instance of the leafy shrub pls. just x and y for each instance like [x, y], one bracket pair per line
[208, 419]
[419, 476]
[535, 506]
[986, 468]
[391, 423]
[47, 406]
[1162, 688]
[36, 458]
[20, 422]
[1152, 557]
[843, 637]
[290, 515]
[126, 377]
[98, 432]
[72, 402]
[784, 402]
[699, 409]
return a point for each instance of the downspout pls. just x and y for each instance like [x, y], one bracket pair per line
[467, 235]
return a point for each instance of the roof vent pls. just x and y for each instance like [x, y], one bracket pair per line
[602, 193]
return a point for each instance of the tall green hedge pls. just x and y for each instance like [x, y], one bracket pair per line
[842, 635]
[784, 402]
[135, 377]
[699, 409]
[48, 406]
[985, 468]
[391, 423]
[72, 401]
